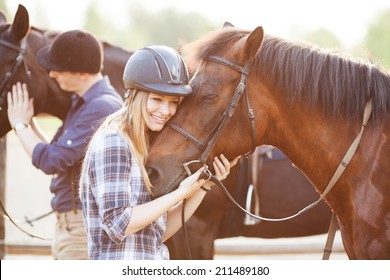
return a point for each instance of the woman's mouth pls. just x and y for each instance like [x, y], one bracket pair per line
[160, 120]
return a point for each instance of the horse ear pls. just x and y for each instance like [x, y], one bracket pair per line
[227, 24]
[253, 42]
[21, 23]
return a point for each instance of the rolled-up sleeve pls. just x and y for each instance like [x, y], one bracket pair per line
[111, 183]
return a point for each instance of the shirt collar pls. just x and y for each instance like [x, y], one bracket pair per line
[92, 92]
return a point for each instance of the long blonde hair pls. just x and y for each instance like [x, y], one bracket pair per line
[130, 122]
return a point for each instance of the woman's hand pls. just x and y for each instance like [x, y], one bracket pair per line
[222, 168]
[192, 183]
[20, 107]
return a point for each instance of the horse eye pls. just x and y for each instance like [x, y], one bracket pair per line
[210, 96]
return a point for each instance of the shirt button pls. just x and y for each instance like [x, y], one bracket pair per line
[69, 142]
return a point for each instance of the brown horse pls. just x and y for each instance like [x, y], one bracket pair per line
[19, 44]
[282, 190]
[307, 102]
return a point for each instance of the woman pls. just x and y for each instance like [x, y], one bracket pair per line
[121, 219]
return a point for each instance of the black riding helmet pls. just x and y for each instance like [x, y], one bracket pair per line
[158, 69]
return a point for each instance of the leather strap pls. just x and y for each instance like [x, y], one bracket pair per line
[331, 234]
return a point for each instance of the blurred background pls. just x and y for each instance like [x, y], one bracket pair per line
[360, 28]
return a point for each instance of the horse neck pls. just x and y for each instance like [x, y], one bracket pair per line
[313, 142]
[50, 98]
[115, 59]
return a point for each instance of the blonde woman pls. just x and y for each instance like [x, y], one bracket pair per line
[121, 219]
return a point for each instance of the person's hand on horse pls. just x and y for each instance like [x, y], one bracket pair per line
[20, 107]
[221, 168]
[192, 183]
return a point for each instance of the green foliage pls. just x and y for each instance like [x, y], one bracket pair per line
[323, 38]
[170, 27]
[3, 9]
[142, 27]
[377, 39]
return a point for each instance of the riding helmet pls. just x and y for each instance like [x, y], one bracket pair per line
[72, 51]
[158, 69]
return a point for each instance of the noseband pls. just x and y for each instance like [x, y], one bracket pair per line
[5, 84]
[208, 144]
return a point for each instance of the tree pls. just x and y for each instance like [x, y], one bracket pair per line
[170, 27]
[323, 38]
[142, 27]
[377, 39]
[3, 8]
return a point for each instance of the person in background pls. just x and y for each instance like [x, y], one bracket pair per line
[122, 219]
[74, 60]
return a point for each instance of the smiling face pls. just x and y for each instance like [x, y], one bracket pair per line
[160, 108]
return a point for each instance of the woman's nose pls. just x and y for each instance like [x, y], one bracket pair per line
[164, 108]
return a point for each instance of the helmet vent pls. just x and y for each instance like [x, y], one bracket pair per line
[175, 76]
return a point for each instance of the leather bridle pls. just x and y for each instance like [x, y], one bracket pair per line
[5, 84]
[209, 142]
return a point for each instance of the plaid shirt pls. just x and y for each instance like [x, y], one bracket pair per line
[112, 184]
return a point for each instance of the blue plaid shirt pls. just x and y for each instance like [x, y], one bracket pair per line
[112, 184]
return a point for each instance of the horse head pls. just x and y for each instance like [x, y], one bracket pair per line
[12, 56]
[20, 42]
[206, 123]
[18, 47]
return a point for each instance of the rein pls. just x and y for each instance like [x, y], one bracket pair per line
[5, 84]
[4, 87]
[339, 171]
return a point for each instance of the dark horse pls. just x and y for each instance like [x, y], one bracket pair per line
[19, 42]
[281, 191]
[307, 102]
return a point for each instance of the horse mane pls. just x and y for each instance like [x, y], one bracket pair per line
[335, 82]
[49, 34]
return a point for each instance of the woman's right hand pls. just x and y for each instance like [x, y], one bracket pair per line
[192, 183]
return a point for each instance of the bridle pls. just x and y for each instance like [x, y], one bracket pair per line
[5, 84]
[209, 142]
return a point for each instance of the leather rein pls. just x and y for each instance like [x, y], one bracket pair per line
[4, 88]
[19, 60]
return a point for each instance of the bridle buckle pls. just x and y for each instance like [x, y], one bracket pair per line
[206, 171]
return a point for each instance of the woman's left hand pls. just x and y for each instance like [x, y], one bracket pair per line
[221, 168]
